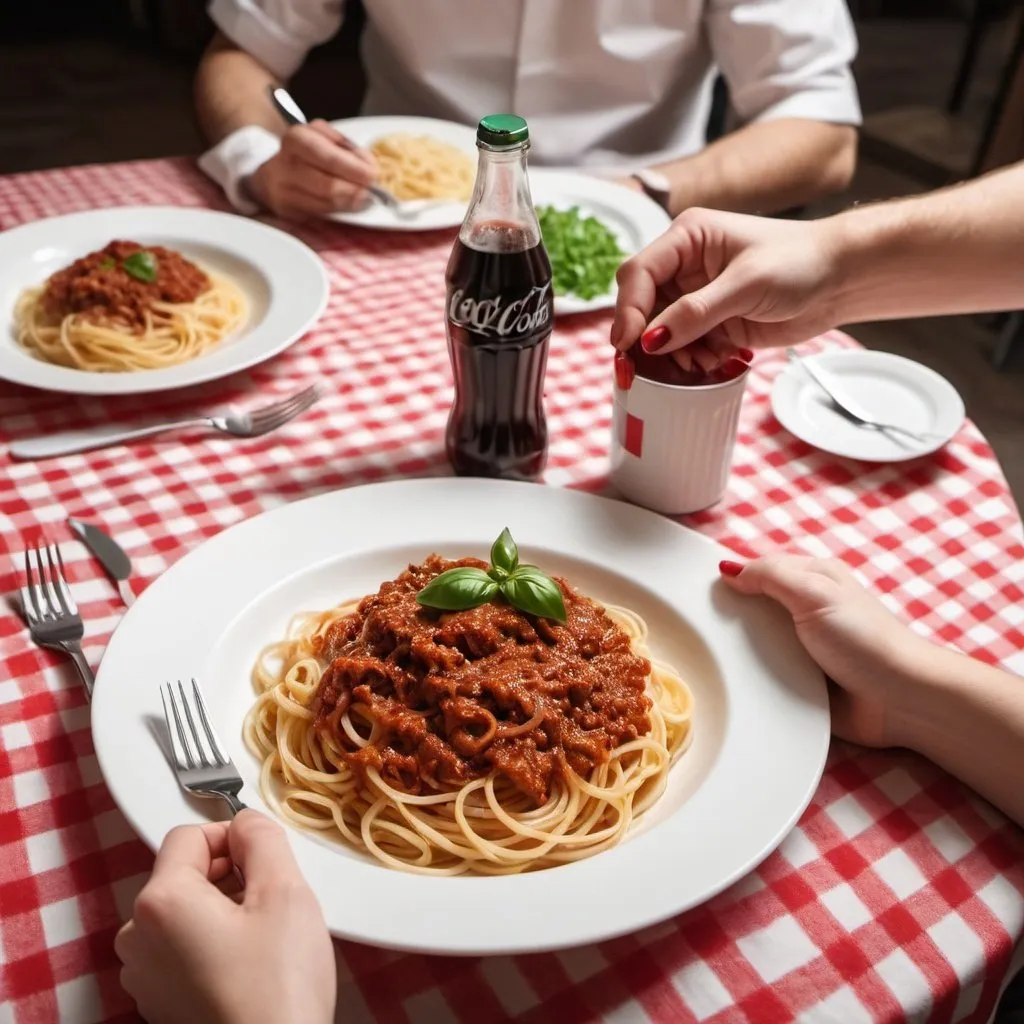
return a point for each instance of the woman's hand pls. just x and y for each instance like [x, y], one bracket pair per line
[316, 171]
[870, 657]
[192, 954]
[720, 283]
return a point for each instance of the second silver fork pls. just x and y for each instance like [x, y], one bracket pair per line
[238, 424]
[50, 610]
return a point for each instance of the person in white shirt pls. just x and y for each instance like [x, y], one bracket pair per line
[621, 88]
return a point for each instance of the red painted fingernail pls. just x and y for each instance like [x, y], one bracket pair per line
[727, 568]
[625, 371]
[654, 339]
[746, 354]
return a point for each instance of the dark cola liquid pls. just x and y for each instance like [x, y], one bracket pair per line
[499, 317]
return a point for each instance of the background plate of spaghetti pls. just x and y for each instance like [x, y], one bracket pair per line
[419, 156]
[758, 726]
[139, 299]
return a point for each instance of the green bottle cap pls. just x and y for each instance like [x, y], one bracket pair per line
[502, 130]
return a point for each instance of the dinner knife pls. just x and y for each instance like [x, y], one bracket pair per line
[108, 553]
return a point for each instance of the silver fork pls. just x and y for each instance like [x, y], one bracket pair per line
[50, 610]
[238, 424]
[852, 410]
[200, 763]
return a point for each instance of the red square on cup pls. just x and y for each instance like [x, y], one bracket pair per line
[633, 441]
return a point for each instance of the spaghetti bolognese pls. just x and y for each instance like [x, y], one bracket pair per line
[486, 740]
[127, 307]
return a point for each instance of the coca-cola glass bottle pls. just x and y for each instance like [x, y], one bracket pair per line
[499, 315]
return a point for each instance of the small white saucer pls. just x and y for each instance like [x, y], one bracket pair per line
[893, 389]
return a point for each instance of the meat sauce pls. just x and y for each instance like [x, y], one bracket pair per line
[459, 695]
[98, 286]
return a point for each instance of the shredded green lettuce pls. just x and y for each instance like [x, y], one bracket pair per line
[584, 252]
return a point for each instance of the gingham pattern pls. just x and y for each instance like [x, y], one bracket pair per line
[899, 896]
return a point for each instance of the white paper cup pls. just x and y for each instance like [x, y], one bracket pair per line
[672, 445]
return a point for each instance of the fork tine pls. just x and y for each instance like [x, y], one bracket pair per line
[278, 412]
[26, 607]
[62, 580]
[272, 420]
[308, 398]
[294, 408]
[273, 408]
[173, 730]
[192, 728]
[55, 584]
[190, 761]
[267, 425]
[46, 587]
[221, 758]
[30, 587]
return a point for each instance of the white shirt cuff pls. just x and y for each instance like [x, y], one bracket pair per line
[235, 158]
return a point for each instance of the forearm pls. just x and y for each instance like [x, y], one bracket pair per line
[959, 250]
[231, 92]
[969, 719]
[765, 167]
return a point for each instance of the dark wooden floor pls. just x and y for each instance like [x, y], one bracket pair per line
[114, 97]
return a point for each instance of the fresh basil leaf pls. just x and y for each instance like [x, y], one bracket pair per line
[534, 592]
[504, 553]
[497, 574]
[108, 263]
[141, 265]
[458, 589]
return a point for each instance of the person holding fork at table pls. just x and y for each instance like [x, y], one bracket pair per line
[610, 86]
[192, 953]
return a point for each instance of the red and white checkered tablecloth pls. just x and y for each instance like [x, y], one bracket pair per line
[899, 895]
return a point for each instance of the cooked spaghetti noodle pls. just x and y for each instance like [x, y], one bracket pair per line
[336, 758]
[97, 315]
[419, 167]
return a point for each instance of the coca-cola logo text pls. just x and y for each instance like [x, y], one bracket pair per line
[498, 318]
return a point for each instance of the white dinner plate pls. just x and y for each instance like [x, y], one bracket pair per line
[635, 219]
[421, 215]
[283, 279]
[891, 388]
[761, 720]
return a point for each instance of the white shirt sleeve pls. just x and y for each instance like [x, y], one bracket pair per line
[278, 33]
[786, 58]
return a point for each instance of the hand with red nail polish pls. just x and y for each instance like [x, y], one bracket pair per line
[860, 646]
[731, 283]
